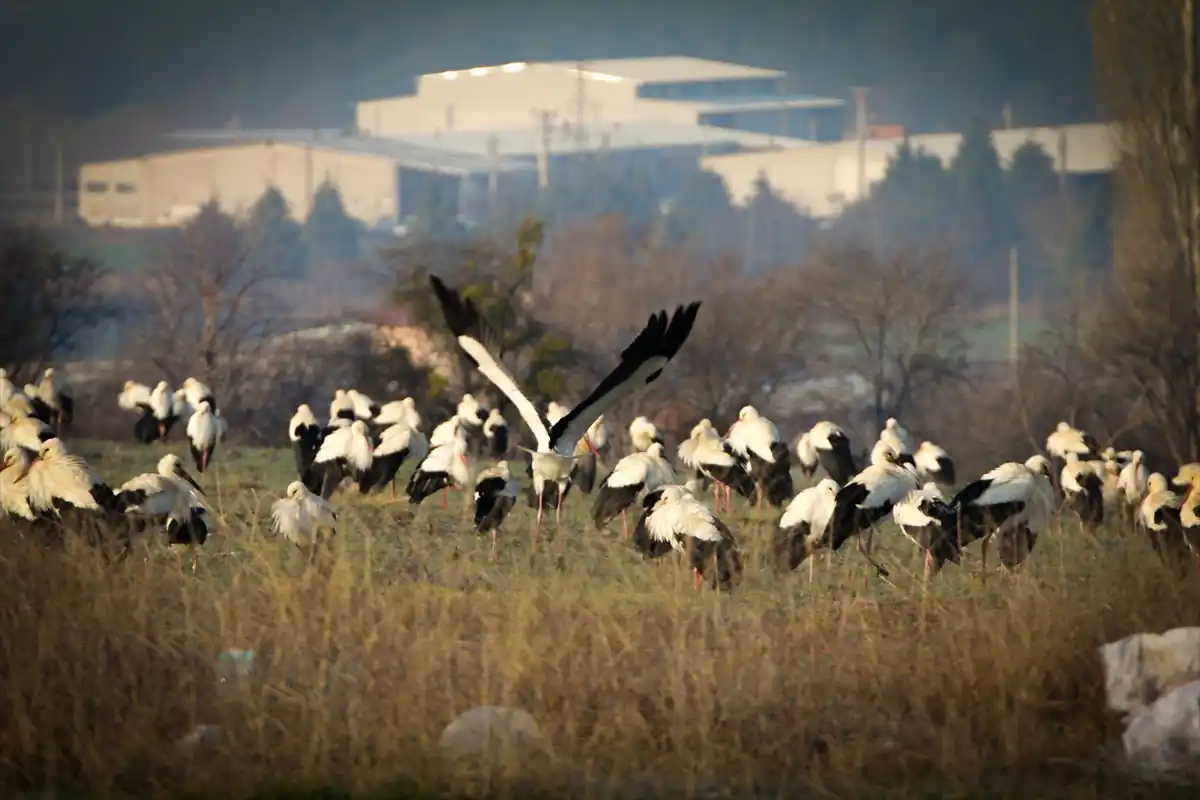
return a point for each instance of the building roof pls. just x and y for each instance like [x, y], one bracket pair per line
[657, 69]
[405, 153]
[628, 135]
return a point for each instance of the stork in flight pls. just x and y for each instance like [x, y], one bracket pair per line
[641, 364]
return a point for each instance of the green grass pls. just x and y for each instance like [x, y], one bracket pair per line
[852, 686]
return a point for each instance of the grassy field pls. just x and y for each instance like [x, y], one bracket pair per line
[642, 688]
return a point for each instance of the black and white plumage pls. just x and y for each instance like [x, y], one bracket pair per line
[341, 406]
[827, 445]
[394, 445]
[57, 478]
[896, 437]
[1132, 483]
[495, 431]
[765, 455]
[305, 435]
[17, 429]
[204, 429]
[444, 467]
[14, 494]
[1160, 514]
[643, 433]
[57, 396]
[711, 458]
[304, 519]
[869, 496]
[495, 494]
[583, 474]
[1083, 488]
[364, 407]
[195, 393]
[398, 411]
[675, 520]
[160, 409]
[803, 524]
[344, 452]
[635, 474]
[171, 497]
[1015, 500]
[930, 522]
[1068, 439]
[934, 464]
[641, 364]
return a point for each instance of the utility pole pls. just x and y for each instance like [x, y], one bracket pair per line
[545, 120]
[58, 181]
[580, 104]
[493, 175]
[860, 129]
[1014, 305]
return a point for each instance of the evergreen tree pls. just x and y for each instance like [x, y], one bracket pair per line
[329, 233]
[274, 238]
[776, 233]
[703, 213]
[984, 214]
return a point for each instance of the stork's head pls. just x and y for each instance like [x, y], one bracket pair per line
[169, 465]
[1038, 464]
[1188, 475]
[1063, 427]
[1157, 482]
[189, 382]
[204, 408]
[409, 402]
[1137, 458]
[48, 373]
[296, 489]
[338, 394]
[828, 485]
[303, 409]
[161, 387]
[52, 448]
[655, 450]
[891, 424]
[359, 427]
[129, 385]
[747, 412]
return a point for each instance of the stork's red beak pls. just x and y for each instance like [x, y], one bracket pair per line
[591, 446]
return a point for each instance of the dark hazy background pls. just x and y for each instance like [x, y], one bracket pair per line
[299, 62]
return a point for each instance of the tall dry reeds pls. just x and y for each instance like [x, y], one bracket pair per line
[635, 688]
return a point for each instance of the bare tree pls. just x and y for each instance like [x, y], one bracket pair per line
[50, 300]
[210, 303]
[897, 320]
[1148, 71]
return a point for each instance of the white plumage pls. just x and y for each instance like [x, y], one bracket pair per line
[168, 491]
[398, 411]
[803, 524]
[341, 406]
[14, 492]
[7, 390]
[445, 466]
[134, 397]
[349, 445]
[364, 407]
[19, 430]
[643, 433]
[302, 517]
[59, 475]
[470, 411]
[675, 520]
[195, 393]
[934, 464]
[1069, 440]
[1133, 479]
[204, 429]
[648, 470]
[753, 434]
[447, 432]
[896, 437]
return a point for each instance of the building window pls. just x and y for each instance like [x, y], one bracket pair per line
[95, 187]
[126, 188]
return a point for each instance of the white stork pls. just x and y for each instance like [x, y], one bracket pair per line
[305, 435]
[364, 407]
[14, 493]
[1067, 439]
[170, 494]
[827, 445]
[1161, 515]
[302, 518]
[20, 430]
[495, 495]
[896, 437]
[196, 393]
[756, 439]
[869, 496]
[1132, 483]
[707, 453]
[641, 364]
[395, 445]
[1015, 500]
[58, 397]
[398, 411]
[445, 466]
[934, 464]
[634, 474]
[345, 451]
[672, 516]
[1083, 486]
[803, 524]
[495, 430]
[205, 428]
[643, 433]
[7, 390]
[341, 407]
[925, 517]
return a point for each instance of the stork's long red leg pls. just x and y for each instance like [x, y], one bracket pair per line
[538, 526]
[928, 563]
[492, 557]
[696, 578]
[195, 560]
[624, 526]
[728, 498]
[179, 560]
[393, 488]
[444, 498]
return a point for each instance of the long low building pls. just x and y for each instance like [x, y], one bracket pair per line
[823, 179]
[380, 180]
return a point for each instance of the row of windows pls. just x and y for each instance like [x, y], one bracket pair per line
[709, 90]
[100, 187]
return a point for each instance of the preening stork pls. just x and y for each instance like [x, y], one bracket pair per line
[14, 493]
[395, 445]
[344, 452]
[635, 474]
[643, 433]
[827, 445]
[1067, 439]
[399, 411]
[802, 526]
[58, 398]
[674, 520]
[1132, 484]
[304, 519]
[1161, 515]
[495, 431]
[169, 495]
[160, 409]
[930, 522]
[341, 407]
[641, 364]
[934, 464]
[17, 429]
[869, 496]
[1015, 500]
[305, 435]
[196, 393]
[204, 429]
[1189, 477]
[445, 466]
[711, 458]
[364, 407]
[1083, 487]
[495, 494]
[765, 455]
[896, 437]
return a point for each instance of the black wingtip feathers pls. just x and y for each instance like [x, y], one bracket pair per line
[461, 316]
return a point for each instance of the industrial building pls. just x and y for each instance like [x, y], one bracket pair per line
[823, 178]
[380, 180]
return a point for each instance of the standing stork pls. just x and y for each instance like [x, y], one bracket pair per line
[583, 474]
[364, 407]
[398, 411]
[445, 466]
[341, 407]
[712, 458]
[204, 430]
[634, 474]
[641, 364]
[1067, 439]
[896, 437]
[802, 526]
[672, 514]
[345, 451]
[1083, 487]
[196, 393]
[495, 494]
[7, 390]
[1132, 484]
[1160, 514]
[827, 445]
[302, 518]
[756, 439]
[929, 522]
[643, 433]
[1015, 500]
[495, 430]
[397, 443]
[58, 397]
[869, 496]
[305, 436]
[934, 464]
[171, 495]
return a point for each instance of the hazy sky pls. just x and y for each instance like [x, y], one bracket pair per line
[937, 62]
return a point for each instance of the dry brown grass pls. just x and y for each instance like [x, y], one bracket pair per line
[641, 687]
